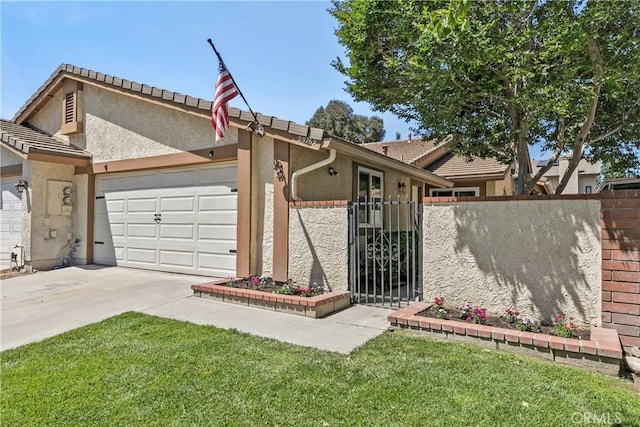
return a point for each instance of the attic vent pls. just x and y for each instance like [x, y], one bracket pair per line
[71, 115]
[69, 107]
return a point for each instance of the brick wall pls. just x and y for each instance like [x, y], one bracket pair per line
[620, 221]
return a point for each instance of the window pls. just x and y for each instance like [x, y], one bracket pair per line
[370, 189]
[588, 189]
[455, 192]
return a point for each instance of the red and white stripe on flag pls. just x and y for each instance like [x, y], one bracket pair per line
[225, 92]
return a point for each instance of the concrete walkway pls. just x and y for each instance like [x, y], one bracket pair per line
[44, 304]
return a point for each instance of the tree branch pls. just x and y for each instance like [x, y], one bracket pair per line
[603, 136]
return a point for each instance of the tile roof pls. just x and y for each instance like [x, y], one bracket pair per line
[203, 105]
[405, 150]
[584, 167]
[447, 164]
[27, 140]
[451, 165]
[173, 97]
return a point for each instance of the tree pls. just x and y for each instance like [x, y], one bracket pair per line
[338, 119]
[503, 76]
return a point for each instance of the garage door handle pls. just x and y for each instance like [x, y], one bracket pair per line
[99, 243]
[233, 251]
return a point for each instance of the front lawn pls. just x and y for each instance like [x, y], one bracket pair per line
[135, 369]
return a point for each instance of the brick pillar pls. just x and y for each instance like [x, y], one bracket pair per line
[620, 221]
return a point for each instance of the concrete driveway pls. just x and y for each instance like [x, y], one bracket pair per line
[47, 303]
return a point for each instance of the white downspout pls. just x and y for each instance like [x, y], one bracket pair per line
[298, 173]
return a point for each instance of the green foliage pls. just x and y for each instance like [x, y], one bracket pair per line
[338, 119]
[501, 76]
[135, 369]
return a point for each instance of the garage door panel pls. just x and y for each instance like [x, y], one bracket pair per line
[177, 231]
[217, 262]
[213, 202]
[141, 255]
[177, 204]
[149, 205]
[141, 230]
[177, 258]
[171, 220]
[217, 232]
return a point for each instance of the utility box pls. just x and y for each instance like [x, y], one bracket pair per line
[59, 198]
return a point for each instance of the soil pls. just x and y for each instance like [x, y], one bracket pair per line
[499, 322]
[269, 285]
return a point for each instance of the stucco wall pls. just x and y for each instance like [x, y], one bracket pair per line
[8, 158]
[539, 257]
[120, 127]
[262, 205]
[319, 246]
[80, 217]
[49, 117]
[318, 184]
[42, 252]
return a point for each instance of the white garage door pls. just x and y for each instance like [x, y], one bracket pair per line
[178, 220]
[10, 222]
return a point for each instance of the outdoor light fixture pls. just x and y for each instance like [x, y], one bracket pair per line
[21, 185]
[332, 171]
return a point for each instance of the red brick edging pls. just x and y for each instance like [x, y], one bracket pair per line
[603, 347]
[317, 306]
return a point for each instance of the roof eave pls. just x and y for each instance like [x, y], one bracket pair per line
[380, 160]
[483, 176]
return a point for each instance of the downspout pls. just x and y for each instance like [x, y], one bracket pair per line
[298, 173]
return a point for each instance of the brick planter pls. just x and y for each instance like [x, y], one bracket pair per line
[602, 352]
[314, 307]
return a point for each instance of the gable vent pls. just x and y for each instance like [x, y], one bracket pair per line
[69, 107]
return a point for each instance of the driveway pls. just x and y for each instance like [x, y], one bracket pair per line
[47, 303]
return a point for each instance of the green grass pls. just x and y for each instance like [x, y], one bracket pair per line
[135, 369]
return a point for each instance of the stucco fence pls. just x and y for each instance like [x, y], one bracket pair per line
[540, 257]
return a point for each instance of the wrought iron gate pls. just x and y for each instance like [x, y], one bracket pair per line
[385, 253]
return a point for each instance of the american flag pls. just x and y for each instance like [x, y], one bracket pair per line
[225, 92]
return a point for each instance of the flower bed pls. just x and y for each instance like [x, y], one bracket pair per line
[260, 292]
[601, 352]
[510, 319]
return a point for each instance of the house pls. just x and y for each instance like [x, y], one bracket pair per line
[132, 172]
[584, 179]
[475, 177]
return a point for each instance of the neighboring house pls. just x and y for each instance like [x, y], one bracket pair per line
[475, 177]
[132, 171]
[584, 179]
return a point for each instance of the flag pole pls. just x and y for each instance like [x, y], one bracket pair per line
[260, 130]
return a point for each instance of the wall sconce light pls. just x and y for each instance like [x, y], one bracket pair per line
[402, 187]
[21, 185]
[333, 172]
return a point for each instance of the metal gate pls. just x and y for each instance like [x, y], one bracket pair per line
[385, 256]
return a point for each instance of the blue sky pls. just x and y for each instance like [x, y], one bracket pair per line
[279, 53]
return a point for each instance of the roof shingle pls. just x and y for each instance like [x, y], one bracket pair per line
[26, 139]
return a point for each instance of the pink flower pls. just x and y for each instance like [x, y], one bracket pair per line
[468, 319]
[558, 317]
[439, 300]
[255, 280]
